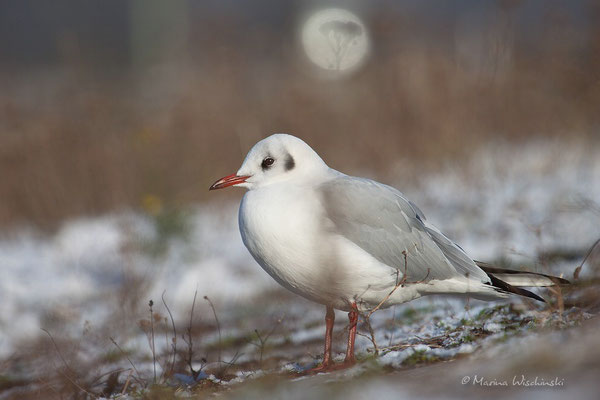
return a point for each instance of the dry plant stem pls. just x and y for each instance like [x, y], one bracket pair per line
[119, 370]
[578, 269]
[223, 369]
[556, 290]
[151, 303]
[139, 378]
[262, 341]
[165, 369]
[49, 386]
[382, 302]
[218, 325]
[77, 385]
[189, 341]
[127, 382]
[371, 335]
[393, 323]
[174, 344]
[229, 364]
[58, 351]
[406, 346]
[399, 283]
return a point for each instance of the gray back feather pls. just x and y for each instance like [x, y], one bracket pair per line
[380, 220]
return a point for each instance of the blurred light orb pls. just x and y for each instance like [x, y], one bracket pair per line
[335, 40]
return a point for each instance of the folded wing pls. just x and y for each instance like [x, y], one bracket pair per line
[380, 220]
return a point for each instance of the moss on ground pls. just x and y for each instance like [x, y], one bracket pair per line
[420, 357]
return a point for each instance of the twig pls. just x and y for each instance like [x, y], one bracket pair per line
[223, 370]
[67, 366]
[409, 345]
[139, 378]
[578, 269]
[174, 344]
[190, 342]
[58, 351]
[371, 335]
[398, 284]
[151, 303]
[165, 369]
[393, 323]
[263, 341]
[43, 384]
[556, 290]
[127, 382]
[119, 370]
[218, 326]
[77, 385]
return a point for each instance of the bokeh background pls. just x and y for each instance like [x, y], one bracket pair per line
[116, 116]
[105, 102]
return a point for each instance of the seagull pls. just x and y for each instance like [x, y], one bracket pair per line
[349, 243]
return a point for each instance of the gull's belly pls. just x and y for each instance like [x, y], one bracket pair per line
[283, 237]
[293, 243]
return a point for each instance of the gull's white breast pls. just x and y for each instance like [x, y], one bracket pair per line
[285, 229]
[280, 226]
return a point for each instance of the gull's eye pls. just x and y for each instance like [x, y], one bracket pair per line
[267, 162]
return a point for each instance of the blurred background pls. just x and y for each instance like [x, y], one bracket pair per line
[116, 116]
[106, 102]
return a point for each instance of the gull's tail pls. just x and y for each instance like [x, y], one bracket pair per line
[512, 281]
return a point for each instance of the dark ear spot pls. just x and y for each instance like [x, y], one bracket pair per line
[289, 162]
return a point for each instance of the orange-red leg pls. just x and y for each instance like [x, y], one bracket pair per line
[329, 320]
[353, 319]
[328, 364]
[327, 359]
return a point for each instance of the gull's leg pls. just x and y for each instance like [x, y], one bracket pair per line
[327, 360]
[327, 365]
[353, 319]
[329, 319]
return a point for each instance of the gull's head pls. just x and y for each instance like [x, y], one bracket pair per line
[278, 158]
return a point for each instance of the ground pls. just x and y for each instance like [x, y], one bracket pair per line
[76, 318]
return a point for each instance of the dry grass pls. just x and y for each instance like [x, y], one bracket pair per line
[78, 140]
[81, 366]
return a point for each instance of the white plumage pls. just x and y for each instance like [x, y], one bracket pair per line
[337, 239]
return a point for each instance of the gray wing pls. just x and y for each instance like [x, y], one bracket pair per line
[382, 222]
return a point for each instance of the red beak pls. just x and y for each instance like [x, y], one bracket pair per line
[229, 180]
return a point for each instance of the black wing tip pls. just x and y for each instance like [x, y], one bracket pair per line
[505, 287]
[531, 295]
[490, 269]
